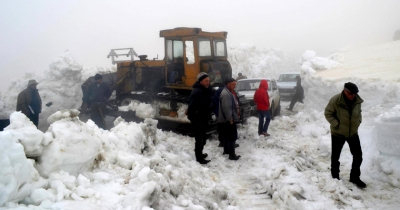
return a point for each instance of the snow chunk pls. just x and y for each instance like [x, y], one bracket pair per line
[25, 132]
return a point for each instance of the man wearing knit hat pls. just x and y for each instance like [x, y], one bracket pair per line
[343, 113]
[98, 93]
[29, 102]
[199, 110]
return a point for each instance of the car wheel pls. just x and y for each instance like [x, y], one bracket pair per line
[272, 112]
[278, 109]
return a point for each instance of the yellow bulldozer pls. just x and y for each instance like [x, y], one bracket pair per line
[188, 51]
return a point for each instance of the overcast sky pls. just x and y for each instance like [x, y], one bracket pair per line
[34, 33]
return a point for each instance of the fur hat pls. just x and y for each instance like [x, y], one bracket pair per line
[201, 76]
[32, 82]
[351, 87]
[97, 77]
[228, 80]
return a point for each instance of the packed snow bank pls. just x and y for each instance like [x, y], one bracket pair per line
[256, 62]
[133, 165]
[18, 177]
[379, 130]
[73, 150]
[379, 61]
[22, 129]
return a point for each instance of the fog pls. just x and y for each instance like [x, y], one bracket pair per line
[34, 33]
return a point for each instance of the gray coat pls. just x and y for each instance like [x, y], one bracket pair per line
[227, 107]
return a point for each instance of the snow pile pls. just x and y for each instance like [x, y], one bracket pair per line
[18, 177]
[22, 129]
[256, 62]
[380, 61]
[133, 165]
[74, 147]
[142, 110]
[311, 63]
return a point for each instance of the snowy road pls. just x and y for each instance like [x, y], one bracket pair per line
[287, 171]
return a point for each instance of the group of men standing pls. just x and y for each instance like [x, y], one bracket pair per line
[343, 112]
[226, 112]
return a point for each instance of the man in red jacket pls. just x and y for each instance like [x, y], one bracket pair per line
[261, 98]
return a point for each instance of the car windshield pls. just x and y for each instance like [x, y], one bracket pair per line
[250, 84]
[287, 77]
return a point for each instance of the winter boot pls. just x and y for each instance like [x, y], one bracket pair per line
[203, 161]
[357, 181]
[234, 157]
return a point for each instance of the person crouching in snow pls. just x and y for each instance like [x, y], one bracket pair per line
[261, 98]
[298, 96]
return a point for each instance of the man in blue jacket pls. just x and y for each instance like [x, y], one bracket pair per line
[98, 93]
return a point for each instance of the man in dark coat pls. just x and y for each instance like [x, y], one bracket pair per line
[30, 103]
[228, 117]
[199, 110]
[98, 93]
[298, 96]
[343, 113]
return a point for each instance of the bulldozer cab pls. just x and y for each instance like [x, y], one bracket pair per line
[189, 51]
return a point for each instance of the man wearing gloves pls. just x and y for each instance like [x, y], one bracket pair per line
[198, 112]
[343, 113]
[228, 116]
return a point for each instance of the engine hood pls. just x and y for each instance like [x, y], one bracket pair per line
[249, 94]
[286, 85]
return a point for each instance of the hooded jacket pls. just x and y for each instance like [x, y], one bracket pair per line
[344, 120]
[261, 97]
[199, 108]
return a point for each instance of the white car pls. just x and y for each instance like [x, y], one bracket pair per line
[248, 87]
[287, 83]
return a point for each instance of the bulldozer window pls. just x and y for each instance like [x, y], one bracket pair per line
[204, 47]
[169, 51]
[219, 48]
[178, 48]
[174, 50]
[189, 52]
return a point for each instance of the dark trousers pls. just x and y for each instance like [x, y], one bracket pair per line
[97, 113]
[200, 137]
[34, 118]
[220, 133]
[355, 149]
[263, 127]
[295, 99]
[229, 137]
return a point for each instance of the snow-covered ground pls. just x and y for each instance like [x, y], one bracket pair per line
[75, 165]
